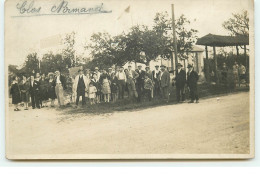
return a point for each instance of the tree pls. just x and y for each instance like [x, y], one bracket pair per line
[107, 50]
[68, 53]
[142, 39]
[186, 36]
[153, 42]
[238, 24]
[32, 64]
[51, 63]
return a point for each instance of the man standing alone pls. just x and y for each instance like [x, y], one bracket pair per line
[165, 83]
[180, 83]
[192, 80]
[81, 84]
[60, 85]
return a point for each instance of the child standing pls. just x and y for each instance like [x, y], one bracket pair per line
[15, 92]
[106, 90]
[92, 93]
[114, 87]
[148, 86]
[97, 84]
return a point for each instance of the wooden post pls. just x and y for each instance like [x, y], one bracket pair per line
[174, 40]
[197, 61]
[216, 64]
[245, 56]
[237, 51]
[206, 69]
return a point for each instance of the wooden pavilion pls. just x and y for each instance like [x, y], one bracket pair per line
[214, 41]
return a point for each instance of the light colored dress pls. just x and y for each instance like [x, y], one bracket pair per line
[92, 92]
[106, 86]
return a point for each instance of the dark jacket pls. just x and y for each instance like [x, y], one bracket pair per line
[62, 80]
[180, 79]
[140, 79]
[192, 79]
[15, 92]
[157, 75]
[35, 88]
[165, 79]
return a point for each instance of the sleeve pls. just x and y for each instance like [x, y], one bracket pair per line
[11, 90]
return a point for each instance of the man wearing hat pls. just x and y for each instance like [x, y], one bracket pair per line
[121, 77]
[60, 86]
[140, 82]
[156, 79]
[165, 82]
[192, 80]
[180, 79]
[110, 71]
[131, 77]
[81, 85]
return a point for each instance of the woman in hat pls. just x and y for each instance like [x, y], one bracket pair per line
[51, 88]
[15, 92]
[24, 88]
[44, 90]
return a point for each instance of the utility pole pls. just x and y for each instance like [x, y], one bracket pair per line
[174, 41]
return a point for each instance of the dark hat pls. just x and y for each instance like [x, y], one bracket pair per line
[189, 66]
[163, 66]
[156, 65]
[139, 65]
[179, 64]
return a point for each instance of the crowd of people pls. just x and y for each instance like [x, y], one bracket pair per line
[237, 74]
[104, 86]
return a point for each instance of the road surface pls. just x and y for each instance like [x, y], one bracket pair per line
[214, 126]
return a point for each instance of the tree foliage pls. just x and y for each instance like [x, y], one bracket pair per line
[51, 63]
[68, 53]
[32, 64]
[238, 24]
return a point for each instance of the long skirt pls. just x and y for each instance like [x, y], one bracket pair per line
[106, 87]
[25, 97]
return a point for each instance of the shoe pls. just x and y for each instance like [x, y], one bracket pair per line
[197, 101]
[191, 102]
[16, 109]
[33, 107]
[26, 109]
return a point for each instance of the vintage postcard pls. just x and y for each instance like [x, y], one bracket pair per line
[131, 79]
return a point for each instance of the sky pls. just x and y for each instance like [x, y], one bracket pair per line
[23, 34]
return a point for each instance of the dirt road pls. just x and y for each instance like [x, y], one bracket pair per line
[213, 126]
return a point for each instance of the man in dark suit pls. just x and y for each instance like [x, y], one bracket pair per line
[140, 82]
[192, 80]
[180, 83]
[156, 80]
[60, 86]
[165, 83]
[34, 91]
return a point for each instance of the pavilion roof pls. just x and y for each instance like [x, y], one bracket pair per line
[219, 40]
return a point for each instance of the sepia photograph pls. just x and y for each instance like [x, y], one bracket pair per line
[129, 79]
